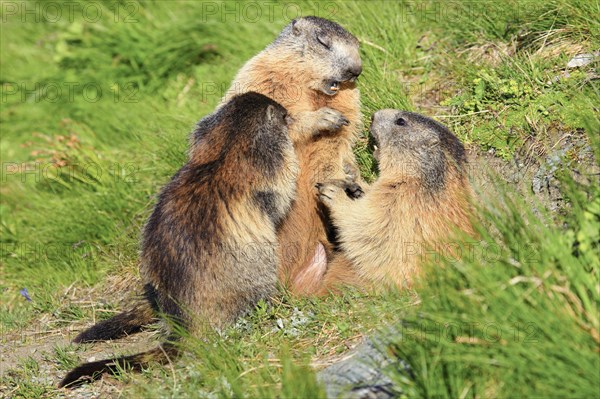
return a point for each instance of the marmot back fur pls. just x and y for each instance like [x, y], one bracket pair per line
[209, 250]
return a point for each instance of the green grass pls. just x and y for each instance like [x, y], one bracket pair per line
[517, 317]
[80, 171]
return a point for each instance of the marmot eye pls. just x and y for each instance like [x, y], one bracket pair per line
[400, 122]
[324, 40]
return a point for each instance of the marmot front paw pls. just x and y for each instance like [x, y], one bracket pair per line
[333, 190]
[328, 119]
[353, 190]
[327, 192]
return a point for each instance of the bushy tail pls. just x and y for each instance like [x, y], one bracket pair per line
[125, 323]
[89, 372]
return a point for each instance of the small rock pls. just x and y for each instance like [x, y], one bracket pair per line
[362, 375]
[545, 174]
[581, 59]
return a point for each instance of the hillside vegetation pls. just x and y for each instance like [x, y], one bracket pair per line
[97, 104]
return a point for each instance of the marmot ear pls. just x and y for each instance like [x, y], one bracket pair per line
[270, 113]
[295, 28]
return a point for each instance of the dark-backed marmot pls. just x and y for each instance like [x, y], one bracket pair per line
[310, 69]
[416, 206]
[209, 250]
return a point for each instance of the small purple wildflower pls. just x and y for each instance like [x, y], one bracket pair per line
[25, 294]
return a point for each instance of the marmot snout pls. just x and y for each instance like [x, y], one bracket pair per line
[414, 145]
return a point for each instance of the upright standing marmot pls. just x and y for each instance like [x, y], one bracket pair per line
[420, 199]
[209, 251]
[311, 70]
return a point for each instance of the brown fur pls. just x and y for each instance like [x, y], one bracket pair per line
[419, 202]
[297, 70]
[210, 247]
[209, 252]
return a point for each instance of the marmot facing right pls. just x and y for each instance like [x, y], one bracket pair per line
[209, 247]
[421, 197]
[310, 69]
[209, 251]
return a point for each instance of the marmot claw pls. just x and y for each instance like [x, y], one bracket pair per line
[330, 119]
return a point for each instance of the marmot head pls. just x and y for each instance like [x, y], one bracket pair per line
[249, 124]
[328, 51]
[412, 145]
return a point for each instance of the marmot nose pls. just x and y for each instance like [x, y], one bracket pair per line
[354, 72]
